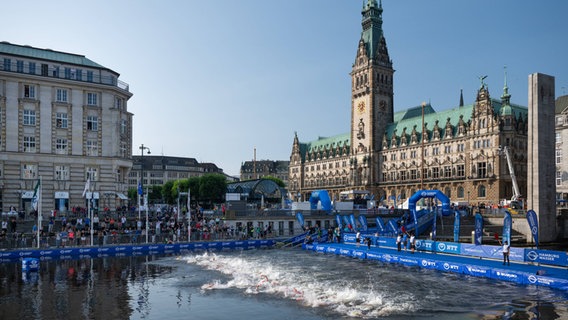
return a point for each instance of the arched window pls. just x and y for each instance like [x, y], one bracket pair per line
[481, 191]
[460, 192]
[448, 192]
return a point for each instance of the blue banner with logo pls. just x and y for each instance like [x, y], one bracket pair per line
[533, 225]
[363, 222]
[339, 222]
[352, 221]
[478, 235]
[300, 218]
[457, 226]
[507, 225]
[380, 224]
[557, 258]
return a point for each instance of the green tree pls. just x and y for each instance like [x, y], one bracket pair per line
[278, 181]
[167, 195]
[212, 187]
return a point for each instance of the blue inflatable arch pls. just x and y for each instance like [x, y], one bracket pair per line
[320, 196]
[430, 194]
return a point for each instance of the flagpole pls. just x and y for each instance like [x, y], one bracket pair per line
[146, 204]
[188, 215]
[38, 212]
[90, 212]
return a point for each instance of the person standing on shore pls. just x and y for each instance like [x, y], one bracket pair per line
[506, 250]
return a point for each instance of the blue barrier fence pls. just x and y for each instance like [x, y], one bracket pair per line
[549, 257]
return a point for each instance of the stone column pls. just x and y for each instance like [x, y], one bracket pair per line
[541, 187]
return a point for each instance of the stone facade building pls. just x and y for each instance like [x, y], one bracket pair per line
[252, 170]
[561, 149]
[393, 154]
[157, 170]
[63, 118]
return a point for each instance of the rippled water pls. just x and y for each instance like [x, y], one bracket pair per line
[262, 284]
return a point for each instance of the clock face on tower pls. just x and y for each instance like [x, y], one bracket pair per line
[361, 107]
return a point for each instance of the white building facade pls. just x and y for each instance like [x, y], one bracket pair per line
[63, 118]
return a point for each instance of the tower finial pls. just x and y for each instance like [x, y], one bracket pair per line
[506, 96]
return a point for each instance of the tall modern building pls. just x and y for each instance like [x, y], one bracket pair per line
[64, 120]
[459, 151]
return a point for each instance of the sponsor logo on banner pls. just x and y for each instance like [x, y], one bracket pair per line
[428, 264]
[46, 252]
[25, 254]
[532, 255]
[506, 275]
[103, 249]
[344, 252]
[451, 267]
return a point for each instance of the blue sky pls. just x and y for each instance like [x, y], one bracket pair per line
[213, 80]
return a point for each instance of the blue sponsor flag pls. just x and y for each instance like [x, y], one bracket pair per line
[478, 235]
[392, 226]
[380, 224]
[300, 218]
[434, 226]
[533, 224]
[363, 222]
[352, 221]
[507, 225]
[457, 226]
[345, 220]
[338, 220]
[140, 191]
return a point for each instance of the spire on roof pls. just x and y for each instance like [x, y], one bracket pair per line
[506, 97]
[461, 97]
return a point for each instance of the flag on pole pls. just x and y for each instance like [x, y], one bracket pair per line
[87, 187]
[35, 198]
[188, 198]
[140, 191]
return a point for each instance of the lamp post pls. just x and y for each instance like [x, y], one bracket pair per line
[142, 148]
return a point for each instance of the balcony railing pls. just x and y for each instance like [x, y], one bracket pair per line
[60, 73]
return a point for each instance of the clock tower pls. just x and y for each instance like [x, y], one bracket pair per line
[371, 98]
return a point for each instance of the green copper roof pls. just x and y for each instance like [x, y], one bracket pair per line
[323, 143]
[413, 117]
[47, 54]
[372, 26]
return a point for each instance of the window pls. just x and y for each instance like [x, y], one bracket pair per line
[460, 192]
[435, 151]
[92, 148]
[91, 173]
[67, 72]
[481, 191]
[79, 75]
[29, 91]
[91, 98]
[558, 137]
[413, 154]
[61, 95]
[558, 178]
[7, 64]
[559, 120]
[29, 171]
[448, 192]
[20, 66]
[61, 120]
[32, 68]
[448, 149]
[90, 76]
[403, 175]
[393, 157]
[402, 155]
[447, 172]
[118, 103]
[435, 172]
[29, 117]
[461, 147]
[61, 146]
[29, 144]
[558, 156]
[413, 174]
[61, 173]
[481, 169]
[461, 170]
[92, 123]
